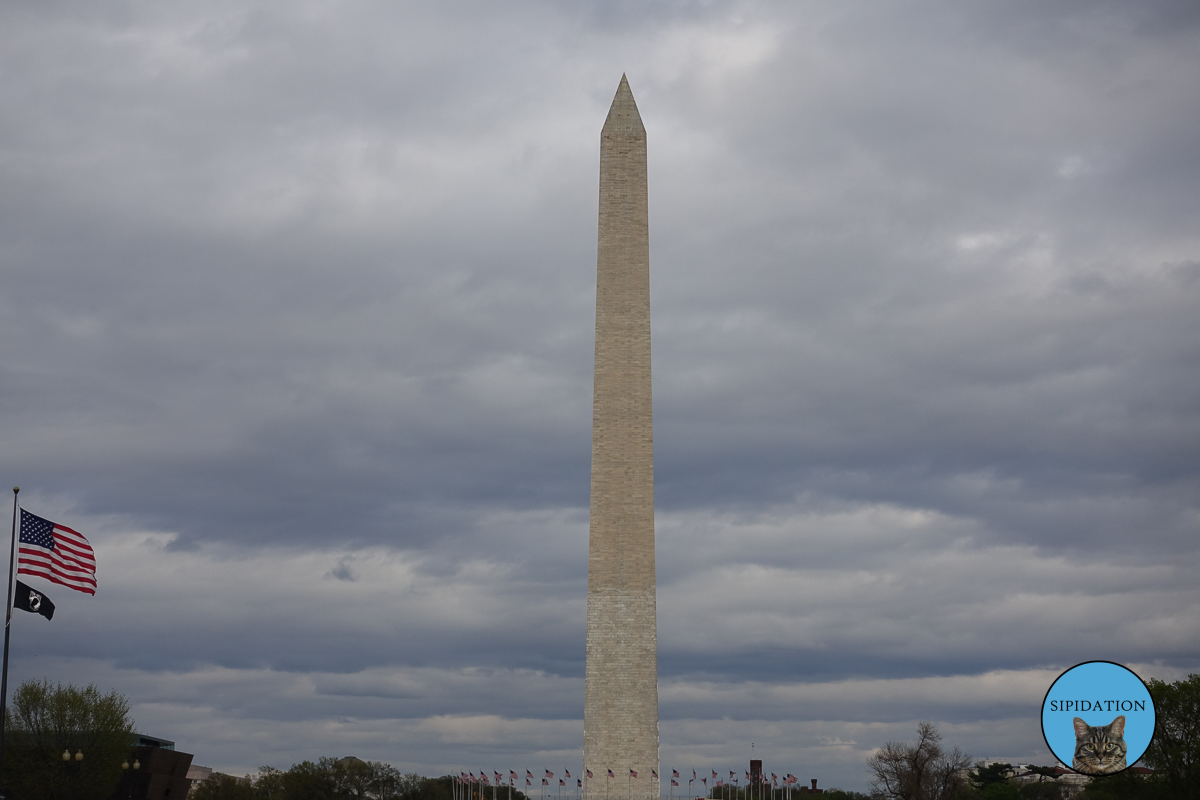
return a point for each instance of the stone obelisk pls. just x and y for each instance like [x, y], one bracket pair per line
[620, 710]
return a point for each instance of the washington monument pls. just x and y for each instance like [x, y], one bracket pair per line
[620, 709]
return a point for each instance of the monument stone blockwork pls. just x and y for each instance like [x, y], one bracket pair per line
[620, 718]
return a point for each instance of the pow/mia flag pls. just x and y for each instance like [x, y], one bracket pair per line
[32, 600]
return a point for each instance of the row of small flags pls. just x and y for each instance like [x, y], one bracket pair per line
[469, 777]
[788, 779]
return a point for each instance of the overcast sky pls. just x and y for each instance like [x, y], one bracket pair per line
[296, 324]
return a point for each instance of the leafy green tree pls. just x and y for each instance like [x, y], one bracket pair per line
[983, 776]
[268, 784]
[1049, 773]
[1174, 753]
[1045, 790]
[1000, 791]
[43, 720]
[1126, 786]
[219, 786]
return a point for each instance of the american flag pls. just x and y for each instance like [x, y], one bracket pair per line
[674, 782]
[610, 773]
[579, 782]
[589, 774]
[512, 774]
[562, 782]
[56, 553]
[549, 774]
[704, 781]
[674, 773]
[528, 775]
[545, 781]
[566, 773]
[633, 773]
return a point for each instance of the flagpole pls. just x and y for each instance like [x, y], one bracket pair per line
[12, 557]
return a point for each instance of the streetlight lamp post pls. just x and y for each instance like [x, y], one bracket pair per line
[72, 768]
[127, 776]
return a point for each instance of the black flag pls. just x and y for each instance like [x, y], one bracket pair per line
[32, 600]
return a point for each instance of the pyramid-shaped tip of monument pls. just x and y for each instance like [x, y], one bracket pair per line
[623, 114]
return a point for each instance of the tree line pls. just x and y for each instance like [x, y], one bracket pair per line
[332, 779]
[44, 722]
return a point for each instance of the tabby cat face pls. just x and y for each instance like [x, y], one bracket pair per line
[1099, 750]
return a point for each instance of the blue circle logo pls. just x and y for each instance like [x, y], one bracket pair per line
[1098, 717]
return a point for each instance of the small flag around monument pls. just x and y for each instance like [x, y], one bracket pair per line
[29, 599]
[56, 553]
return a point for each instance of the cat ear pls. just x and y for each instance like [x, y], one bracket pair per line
[1117, 726]
[1081, 728]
